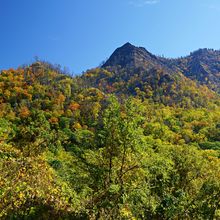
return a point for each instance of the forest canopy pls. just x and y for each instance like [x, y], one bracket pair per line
[107, 145]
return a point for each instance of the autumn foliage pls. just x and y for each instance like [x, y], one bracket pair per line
[107, 145]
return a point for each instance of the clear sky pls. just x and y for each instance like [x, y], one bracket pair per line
[80, 34]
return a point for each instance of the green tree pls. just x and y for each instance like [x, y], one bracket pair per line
[120, 159]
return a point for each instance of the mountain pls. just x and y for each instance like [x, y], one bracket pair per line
[69, 149]
[202, 66]
[132, 70]
[129, 56]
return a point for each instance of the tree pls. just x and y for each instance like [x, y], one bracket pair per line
[33, 134]
[119, 162]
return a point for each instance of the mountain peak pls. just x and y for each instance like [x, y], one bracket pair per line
[128, 45]
[202, 51]
[129, 56]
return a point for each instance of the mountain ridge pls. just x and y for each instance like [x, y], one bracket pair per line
[202, 65]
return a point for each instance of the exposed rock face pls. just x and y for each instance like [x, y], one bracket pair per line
[204, 66]
[129, 56]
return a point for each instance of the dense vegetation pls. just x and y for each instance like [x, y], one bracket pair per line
[107, 145]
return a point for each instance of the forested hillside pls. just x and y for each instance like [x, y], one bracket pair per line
[138, 138]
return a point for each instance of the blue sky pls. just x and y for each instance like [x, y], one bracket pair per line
[80, 34]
